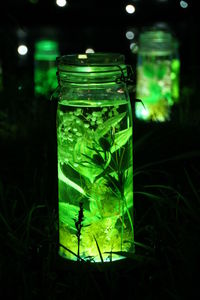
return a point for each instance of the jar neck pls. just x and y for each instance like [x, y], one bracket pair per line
[93, 69]
[92, 78]
[155, 42]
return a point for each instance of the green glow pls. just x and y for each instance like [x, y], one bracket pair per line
[45, 55]
[175, 72]
[46, 50]
[154, 89]
[95, 168]
[157, 76]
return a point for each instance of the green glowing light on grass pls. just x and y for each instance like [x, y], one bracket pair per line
[95, 165]
[88, 162]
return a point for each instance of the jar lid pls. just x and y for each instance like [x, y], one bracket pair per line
[158, 42]
[46, 50]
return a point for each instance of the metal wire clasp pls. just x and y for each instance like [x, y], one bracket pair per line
[55, 94]
[128, 79]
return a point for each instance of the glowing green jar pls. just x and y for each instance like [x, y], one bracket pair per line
[95, 164]
[158, 68]
[45, 68]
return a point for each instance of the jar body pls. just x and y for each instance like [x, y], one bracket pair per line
[157, 78]
[45, 77]
[95, 171]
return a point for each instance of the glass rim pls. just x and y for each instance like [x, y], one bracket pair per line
[157, 41]
[92, 68]
[91, 63]
[85, 59]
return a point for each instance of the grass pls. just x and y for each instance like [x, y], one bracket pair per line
[166, 211]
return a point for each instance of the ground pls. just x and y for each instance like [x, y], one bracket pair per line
[166, 212]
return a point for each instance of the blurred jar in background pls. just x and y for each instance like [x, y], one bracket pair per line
[158, 67]
[45, 80]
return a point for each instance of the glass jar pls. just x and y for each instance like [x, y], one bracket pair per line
[45, 68]
[95, 164]
[157, 75]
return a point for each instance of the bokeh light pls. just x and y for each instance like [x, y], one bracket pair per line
[61, 3]
[183, 4]
[22, 50]
[130, 9]
[130, 35]
[133, 47]
[89, 50]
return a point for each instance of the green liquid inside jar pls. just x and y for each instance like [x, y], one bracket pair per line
[95, 179]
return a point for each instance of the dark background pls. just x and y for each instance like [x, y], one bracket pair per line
[166, 157]
[101, 25]
[98, 24]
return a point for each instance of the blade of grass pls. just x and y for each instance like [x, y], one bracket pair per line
[191, 154]
[5, 222]
[192, 185]
[180, 196]
[133, 256]
[148, 195]
[67, 249]
[141, 140]
[144, 246]
[100, 254]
